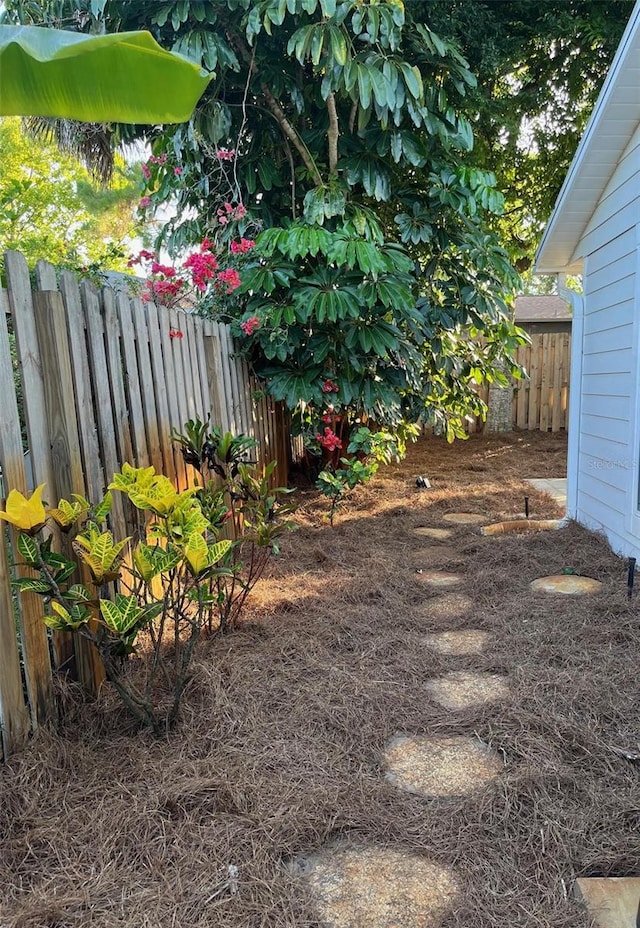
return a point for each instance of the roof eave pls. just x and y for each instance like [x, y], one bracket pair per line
[590, 172]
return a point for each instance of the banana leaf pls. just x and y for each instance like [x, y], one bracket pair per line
[126, 77]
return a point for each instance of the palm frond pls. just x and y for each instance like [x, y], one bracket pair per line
[92, 143]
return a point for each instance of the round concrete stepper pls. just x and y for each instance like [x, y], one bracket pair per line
[439, 578]
[439, 534]
[568, 584]
[448, 606]
[464, 641]
[432, 554]
[463, 690]
[446, 766]
[464, 518]
[371, 887]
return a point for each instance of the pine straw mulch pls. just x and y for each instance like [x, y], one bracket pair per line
[279, 747]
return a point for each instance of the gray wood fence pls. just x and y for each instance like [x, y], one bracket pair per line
[90, 379]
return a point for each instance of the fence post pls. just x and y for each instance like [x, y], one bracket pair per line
[64, 438]
[14, 716]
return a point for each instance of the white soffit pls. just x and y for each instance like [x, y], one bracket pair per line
[609, 130]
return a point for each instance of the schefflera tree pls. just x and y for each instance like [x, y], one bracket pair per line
[335, 126]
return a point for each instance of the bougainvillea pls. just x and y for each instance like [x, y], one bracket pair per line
[200, 272]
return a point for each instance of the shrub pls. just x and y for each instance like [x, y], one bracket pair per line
[366, 450]
[180, 578]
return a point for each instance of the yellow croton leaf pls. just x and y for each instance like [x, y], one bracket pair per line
[67, 513]
[28, 515]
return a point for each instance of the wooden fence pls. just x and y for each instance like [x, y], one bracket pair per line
[541, 400]
[103, 379]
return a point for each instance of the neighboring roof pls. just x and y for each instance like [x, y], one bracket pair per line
[609, 130]
[541, 309]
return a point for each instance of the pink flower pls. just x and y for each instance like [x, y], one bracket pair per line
[203, 266]
[226, 154]
[231, 278]
[243, 246]
[164, 269]
[327, 418]
[329, 440]
[241, 211]
[158, 159]
[250, 325]
[147, 255]
[144, 202]
[146, 171]
[177, 171]
[329, 387]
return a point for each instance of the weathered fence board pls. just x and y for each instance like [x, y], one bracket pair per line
[103, 382]
[541, 401]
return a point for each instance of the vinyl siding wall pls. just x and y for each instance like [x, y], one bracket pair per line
[609, 435]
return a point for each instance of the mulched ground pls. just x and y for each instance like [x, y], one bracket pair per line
[279, 749]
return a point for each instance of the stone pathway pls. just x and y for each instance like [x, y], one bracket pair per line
[440, 767]
[375, 887]
[555, 487]
[567, 584]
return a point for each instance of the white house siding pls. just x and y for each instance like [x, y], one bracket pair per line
[609, 436]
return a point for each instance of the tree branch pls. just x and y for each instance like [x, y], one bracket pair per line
[275, 107]
[333, 134]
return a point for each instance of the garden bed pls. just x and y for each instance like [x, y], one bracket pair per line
[279, 752]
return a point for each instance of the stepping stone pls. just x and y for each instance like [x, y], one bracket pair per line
[465, 641]
[569, 584]
[439, 534]
[613, 902]
[462, 690]
[439, 578]
[371, 887]
[433, 553]
[454, 766]
[464, 518]
[448, 606]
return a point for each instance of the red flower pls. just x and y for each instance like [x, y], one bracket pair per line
[163, 269]
[250, 325]
[231, 278]
[243, 246]
[329, 440]
[175, 333]
[329, 387]
[203, 266]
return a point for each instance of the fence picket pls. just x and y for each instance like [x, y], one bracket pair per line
[132, 385]
[161, 387]
[64, 438]
[147, 390]
[91, 461]
[14, 713]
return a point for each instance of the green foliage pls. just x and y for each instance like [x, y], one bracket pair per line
[336, 134]
[235, 494]
[540, 65]
[366, 450]
[44, 206]
[180, 577]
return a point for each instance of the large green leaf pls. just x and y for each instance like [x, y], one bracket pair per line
[126, 77]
